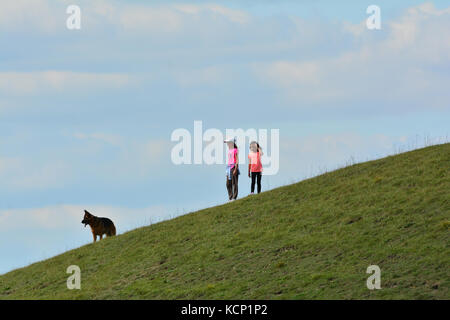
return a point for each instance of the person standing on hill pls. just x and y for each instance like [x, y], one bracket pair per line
[232, 169]
[255, 166]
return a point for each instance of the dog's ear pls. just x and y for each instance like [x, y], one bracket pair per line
[87, 212]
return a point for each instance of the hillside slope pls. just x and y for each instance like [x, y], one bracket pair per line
[313, 239]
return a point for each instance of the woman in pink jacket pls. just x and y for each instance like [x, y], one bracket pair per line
[255, 166]
[232, 169]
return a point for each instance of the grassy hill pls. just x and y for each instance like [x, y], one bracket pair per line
[310, 240]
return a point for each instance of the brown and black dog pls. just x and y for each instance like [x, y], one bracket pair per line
[99, 226]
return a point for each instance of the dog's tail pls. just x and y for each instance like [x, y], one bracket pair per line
[110, 227]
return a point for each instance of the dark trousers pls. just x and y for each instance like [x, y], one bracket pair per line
[256, 177]
[232, 185]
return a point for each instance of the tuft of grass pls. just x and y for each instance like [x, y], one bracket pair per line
[310, 240]
[444, 225]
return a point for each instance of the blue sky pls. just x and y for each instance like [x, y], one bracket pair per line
[86, 115]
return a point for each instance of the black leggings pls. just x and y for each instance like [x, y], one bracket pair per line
[256, 176]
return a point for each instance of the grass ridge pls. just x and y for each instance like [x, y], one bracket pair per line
[310, 240]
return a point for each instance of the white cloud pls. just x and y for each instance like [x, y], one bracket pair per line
[31, 15]
[131, 161]
[357, 30]
[174, 18]
[300, 73]
[7, 164]
[208, 76]
[402, 70]
[158, 19]
[147, 151]
[24, 83]
[150, 19]
[18, 173]
[128, 161]
[234, 15]
[111, 139]
[49, 17]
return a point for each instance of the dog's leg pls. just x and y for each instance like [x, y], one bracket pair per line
[101, 236]
[95, 237]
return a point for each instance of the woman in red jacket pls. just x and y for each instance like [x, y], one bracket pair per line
[255, 166]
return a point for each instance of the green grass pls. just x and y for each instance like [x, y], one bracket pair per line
[310, 240]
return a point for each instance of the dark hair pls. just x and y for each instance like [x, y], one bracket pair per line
[257, 144]
[234, 143]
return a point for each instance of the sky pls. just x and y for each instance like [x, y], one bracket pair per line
[86, 116]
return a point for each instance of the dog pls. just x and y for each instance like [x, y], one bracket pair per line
[99, 226]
